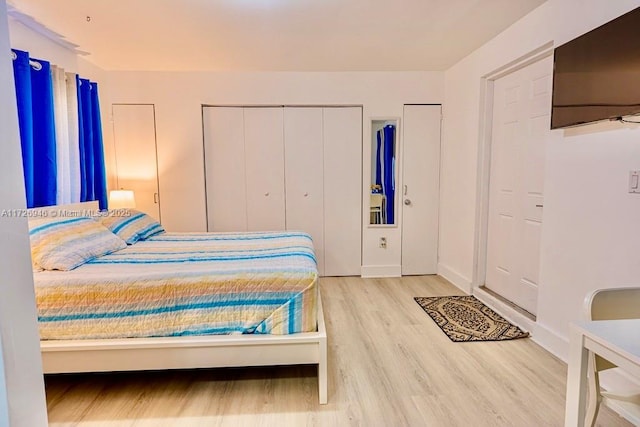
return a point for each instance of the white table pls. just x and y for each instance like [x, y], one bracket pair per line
[615, 340]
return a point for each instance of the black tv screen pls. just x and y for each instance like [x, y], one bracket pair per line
[597, 75]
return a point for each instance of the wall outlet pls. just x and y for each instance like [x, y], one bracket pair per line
[634, 181]
[383, 242]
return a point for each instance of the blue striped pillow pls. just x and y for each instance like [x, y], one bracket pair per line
[133, 226]
[66, 243]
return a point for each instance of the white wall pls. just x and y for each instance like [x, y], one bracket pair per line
[178, 98]
[20, 343]
[590, 234]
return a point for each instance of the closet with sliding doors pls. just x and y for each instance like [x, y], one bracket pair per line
[288, 168]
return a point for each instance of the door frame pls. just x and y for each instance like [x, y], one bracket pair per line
[484, 157]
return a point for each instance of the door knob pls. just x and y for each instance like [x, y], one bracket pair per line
[407, 202]
[266, 194]
[306, 194]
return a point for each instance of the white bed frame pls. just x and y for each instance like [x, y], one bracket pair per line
[212, 351]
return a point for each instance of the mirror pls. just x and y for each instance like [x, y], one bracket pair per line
[383, 171]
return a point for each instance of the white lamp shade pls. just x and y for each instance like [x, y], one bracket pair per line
[121, 199]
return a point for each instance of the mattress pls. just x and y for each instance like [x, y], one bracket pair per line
[177, 284]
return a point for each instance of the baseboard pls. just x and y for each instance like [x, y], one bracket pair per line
[505, 310]
[455, 278]
[544, 337]
[552, 342]
[371, 271]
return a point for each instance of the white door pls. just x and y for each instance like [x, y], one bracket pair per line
[264, 163]
[342, 191]
[224, 168]
[521, 117]
[421, 186]
[304, 175]
[134, 134]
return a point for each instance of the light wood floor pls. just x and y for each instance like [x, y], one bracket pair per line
[389, 365]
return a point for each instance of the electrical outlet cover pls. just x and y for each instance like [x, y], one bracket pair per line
[634, 181]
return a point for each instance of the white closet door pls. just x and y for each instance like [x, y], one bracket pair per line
[225, 169]
[134, 133]
[264, 162]
[521, 116]
[342, 191]
[420, 192]
[303, 164]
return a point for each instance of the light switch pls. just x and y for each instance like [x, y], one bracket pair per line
[634, 182]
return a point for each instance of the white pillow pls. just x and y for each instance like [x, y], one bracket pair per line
[132, 226]
[66, 243]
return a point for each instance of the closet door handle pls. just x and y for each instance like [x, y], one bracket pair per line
[155, 198]
[266, 194]
[306, 194]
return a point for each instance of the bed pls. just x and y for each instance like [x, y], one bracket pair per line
[184, 301]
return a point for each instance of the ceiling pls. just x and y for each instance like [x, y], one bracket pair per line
[277, 35]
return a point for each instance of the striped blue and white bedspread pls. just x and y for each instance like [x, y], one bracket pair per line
[185, 284]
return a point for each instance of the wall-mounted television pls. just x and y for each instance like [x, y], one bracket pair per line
[597, 75]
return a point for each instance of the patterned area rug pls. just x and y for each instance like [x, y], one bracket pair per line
[464, 318]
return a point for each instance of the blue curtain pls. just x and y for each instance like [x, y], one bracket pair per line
[85, 117]
[99, 171]
[34, 92]
[92, 169]
[388, 179]
[22, 77]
